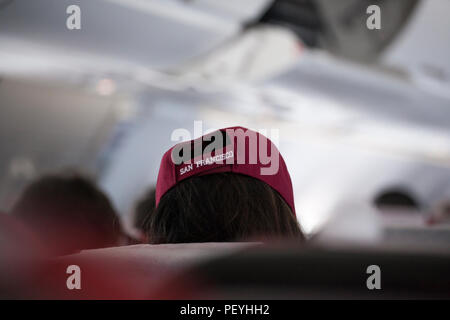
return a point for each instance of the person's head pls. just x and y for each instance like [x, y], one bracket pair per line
[68, 213]
[144, 208]
[220, 195]
[221, 207]
[396, 198]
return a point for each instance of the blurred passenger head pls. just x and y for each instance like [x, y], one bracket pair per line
[143, 210]
[396, 198]
[216, 193]
[68, 214]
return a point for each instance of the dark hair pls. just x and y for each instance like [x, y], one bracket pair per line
[144, 208]
[396, 197]
[68, 213]
[221, 207]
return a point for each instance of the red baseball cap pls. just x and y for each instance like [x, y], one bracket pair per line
[234, 149]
